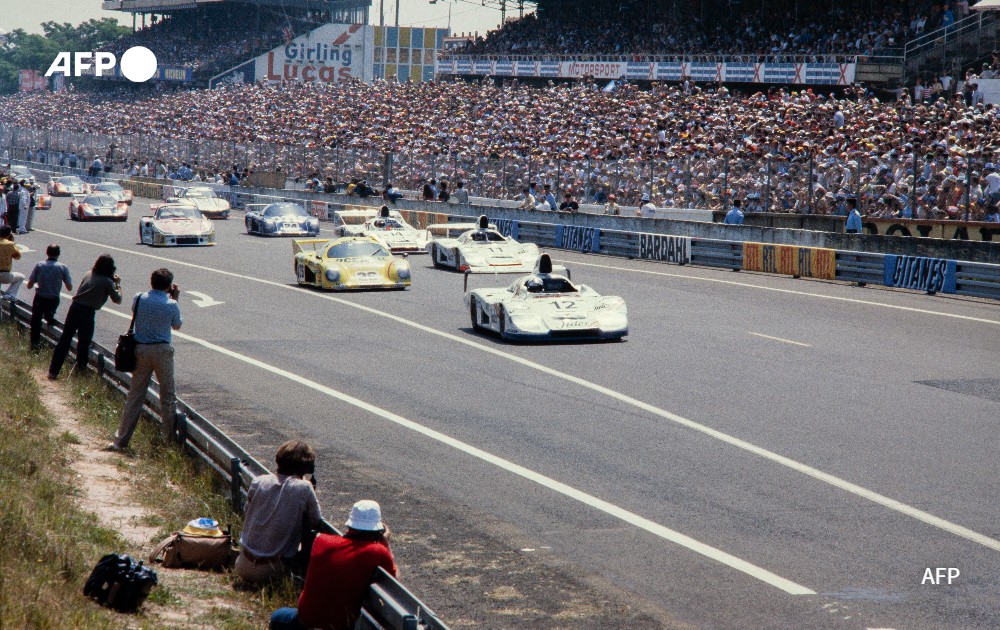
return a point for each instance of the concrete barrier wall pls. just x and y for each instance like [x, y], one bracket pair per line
[973, 251]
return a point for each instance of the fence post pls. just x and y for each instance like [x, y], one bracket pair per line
[236, 499]
[689, 181]
[968, 187]
[767, 186]
[725, 185]
[810, 182]
[181, 427]
[913, 189]
[557, 191]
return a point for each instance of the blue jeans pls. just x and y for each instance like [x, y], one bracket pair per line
[285, 619]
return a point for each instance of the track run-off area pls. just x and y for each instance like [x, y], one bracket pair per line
[760, 452]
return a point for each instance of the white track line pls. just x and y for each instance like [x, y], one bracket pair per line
[587, 499]
[788, 291]
[787, 462]
[797, 343]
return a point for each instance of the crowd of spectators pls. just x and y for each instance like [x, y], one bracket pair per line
[211, 39]
[686, 145]
[838, 29]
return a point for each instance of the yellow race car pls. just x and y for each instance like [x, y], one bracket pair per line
[348, 263]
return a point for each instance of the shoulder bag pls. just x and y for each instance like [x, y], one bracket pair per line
[125, 350]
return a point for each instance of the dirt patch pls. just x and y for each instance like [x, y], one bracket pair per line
[185, 598]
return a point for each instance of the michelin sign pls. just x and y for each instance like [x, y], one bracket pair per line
[328, 54]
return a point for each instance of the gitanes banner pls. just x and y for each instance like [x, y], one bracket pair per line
[934, 275]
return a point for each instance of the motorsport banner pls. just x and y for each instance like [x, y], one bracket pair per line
[582, 239]
[928, 228]
[730, 72]
[934, 275]
[675, 249]
[790, 260]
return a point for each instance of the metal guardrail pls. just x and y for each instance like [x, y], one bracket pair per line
[975, 279]
[978, 279]
[388, 606]
[860, 267]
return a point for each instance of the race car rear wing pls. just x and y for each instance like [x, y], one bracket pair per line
[449, 230]
[560, 270]
[308, 245]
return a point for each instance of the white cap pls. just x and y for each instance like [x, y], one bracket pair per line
[366, 516]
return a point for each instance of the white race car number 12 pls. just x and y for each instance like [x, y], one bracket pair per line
[564, 305]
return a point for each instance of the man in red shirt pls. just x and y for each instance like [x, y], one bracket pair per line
[341, 568]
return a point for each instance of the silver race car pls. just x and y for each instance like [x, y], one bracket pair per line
[483, 250]
[386, 226]
[204, 198]
[545, 306]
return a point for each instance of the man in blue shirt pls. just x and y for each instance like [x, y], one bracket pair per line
[550, 198]
[156, 315]
[50, 275]
[734, 216]
[853, 225]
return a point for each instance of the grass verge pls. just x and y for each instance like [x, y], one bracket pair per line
[49, 542]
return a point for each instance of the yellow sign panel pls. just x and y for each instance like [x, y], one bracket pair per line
[790, 260]
[926, 228]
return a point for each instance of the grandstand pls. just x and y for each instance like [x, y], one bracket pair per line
[194, 39]
[889, 42]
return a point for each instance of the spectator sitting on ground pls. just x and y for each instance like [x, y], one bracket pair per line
[281, 512]
[341, 569]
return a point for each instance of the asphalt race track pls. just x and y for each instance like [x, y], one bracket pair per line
[761, 452]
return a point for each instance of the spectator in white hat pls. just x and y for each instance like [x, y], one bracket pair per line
[341, 568]
[648, 209]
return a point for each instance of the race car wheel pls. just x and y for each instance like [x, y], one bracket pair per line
[502, 315]
[249, 230]
[300, 273]
[474, 312]
[434, 258]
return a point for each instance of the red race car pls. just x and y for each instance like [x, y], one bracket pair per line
[97, 207]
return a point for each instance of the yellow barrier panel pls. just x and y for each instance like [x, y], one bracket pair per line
[790, 260]
[927, 228]
[144, 189]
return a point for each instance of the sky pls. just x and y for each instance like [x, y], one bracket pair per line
[467, 16]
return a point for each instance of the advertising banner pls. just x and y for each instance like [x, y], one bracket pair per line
[926, 228]
[30, 81]
[934, 275]
[581, 239]
[328, 54]
[733, 72]
[790, 260]
[675, 249]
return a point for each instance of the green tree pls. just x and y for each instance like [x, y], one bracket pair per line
[30, 51]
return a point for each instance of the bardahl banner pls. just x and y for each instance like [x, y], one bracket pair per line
[934, 275]
[947, 230]
[582, 239]
[674, 249]
[790, 260]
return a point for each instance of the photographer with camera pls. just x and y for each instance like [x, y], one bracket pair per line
[99, 285]
[156, 315]
[281, 516]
